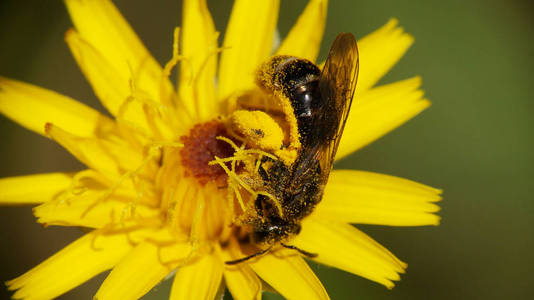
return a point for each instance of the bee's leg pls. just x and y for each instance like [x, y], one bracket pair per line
[260, 204]
[303, 252]
[238, 261]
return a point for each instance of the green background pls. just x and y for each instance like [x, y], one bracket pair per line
[476, 59]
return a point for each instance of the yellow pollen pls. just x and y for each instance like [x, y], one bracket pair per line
[258, 129]
[236, 178]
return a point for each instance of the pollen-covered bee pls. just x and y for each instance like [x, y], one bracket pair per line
[320, 102]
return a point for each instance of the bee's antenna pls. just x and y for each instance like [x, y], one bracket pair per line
[303, 252]
[238, 261]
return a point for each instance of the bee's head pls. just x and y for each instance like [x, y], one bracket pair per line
[274, 230]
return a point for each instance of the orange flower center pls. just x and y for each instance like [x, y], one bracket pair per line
[200, 147]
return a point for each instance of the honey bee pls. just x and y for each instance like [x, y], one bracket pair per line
[320, 102]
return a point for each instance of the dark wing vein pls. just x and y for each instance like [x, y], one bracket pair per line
[337, 84]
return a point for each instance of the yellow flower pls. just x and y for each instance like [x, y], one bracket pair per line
[151, 194]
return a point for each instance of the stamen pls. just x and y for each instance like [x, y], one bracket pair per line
[234, 163]
[193, 236]
[161, 144]
[238, 196]
[196, 78]
[242, 154]
[121, 119]
[229, 141]
[224, 160]
[152, 153]
[234, 176]
[260, 152]
[122, 228]
[230, 200]
[193, 239]
[76, 187]
[239, 150]
[258, 164]
[275, 201]
[200, 105]
[185, 115]
[176, 57]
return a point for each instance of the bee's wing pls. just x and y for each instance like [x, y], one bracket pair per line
[337, 84]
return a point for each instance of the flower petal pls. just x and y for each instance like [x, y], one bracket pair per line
[111, 158]
[44, 187]
[247, 43]
[111, 87]
[101, 25]
[290, 276]
[200, 279]
[32, 107]
[240, 279]
[117, 93]
[197, 72]
[304, 39]
[141, 270]
[93, 209]
[70, 267]
[379, 51]
[371, 198]
[243, 284]
[349, 249]
[380, 110]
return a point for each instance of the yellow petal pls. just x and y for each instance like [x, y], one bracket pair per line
[141, 270]
[304, 39]
[380, 110]
[111, 158]
[243, 284]
[88, 256]
[32, 107]
[290, 276]
[118, 94]
[240, 279]
[197, 71]
[344, 247]
[198, 280]
[109, 85]
[44, 187]
[371, 198]
[379, 51]
[93, 209]
[101, 25]
[247, 43]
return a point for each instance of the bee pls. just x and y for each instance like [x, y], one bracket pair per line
[320, 102]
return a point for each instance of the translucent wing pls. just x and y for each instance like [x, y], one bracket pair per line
[337, 84]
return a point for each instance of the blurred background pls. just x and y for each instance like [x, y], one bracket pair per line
[476, 141]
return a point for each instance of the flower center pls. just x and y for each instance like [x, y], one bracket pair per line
[193, 190]
[200, 147]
